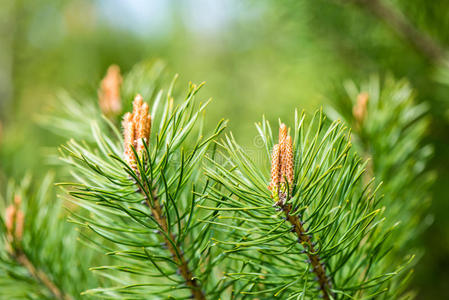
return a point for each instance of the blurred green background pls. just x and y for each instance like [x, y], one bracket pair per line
[257, 57]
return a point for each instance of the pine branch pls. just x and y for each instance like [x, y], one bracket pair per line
[345, 229]
[141, 195]
[390, 129]
[169, 237]
[305, 240]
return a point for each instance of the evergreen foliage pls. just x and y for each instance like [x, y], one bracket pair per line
[391, 136]
[329, 221]
[146, 211]
[42, 259]
[179, 212]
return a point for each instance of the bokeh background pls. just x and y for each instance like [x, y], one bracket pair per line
[257, 57]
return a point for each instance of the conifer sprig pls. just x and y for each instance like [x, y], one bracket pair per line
[136, 133]
[282, 182]
[327, 238]
[38, 248]
[141, 198]
[390, 129]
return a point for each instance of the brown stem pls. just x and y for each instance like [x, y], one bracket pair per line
[176, 253]
[404, 28]
[39, 275]
[305, 241]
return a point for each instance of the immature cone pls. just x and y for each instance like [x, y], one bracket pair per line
[109, 93]
[283, 132]
[128, 139]
[10, 216]
[14, 220]
[282, 166]
[136, 131]
[287, 163]
[275, 172]
[360, 108]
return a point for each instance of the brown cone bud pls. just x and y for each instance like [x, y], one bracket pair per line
[20, 219]
[10, 215]
[283, 131]
[360, 108]
[282, 165]
[128, 139]
[136, 131]
[275, 167]
[109, 93]
[287, 163]
[14, 220]
[137, 104]
[141, 128]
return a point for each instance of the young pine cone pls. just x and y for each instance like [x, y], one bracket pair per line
[109, 93]
[359, 110]
[136, 131]
[14, 220]
[282, 166]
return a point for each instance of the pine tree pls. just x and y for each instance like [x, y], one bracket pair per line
[166, 210]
